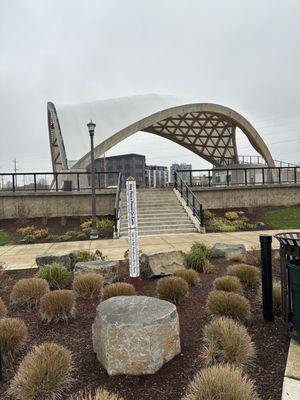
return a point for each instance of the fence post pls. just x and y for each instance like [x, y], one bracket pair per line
[295, 174]
[227, 177]
[34, 180]
[56, 182]
[209, 178]
[266, 276]
[201, 215]
[78, 182]
[181, 190]
[13, 182]
[175, 180]
[193, 204]
[190, 178]
[187, 195]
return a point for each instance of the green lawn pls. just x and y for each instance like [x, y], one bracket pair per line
[289, 218]
[4, 237]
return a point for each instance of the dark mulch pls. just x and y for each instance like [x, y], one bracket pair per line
[171, 381]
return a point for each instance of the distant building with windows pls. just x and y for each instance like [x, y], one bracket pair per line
[182, 166]
[156, 176]
[128, 164]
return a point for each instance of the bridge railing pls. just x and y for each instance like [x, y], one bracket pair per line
[56, 181]
[244, 176]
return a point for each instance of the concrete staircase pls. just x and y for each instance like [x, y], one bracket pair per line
[159, 213]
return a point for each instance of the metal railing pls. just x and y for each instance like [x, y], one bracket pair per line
[220, 177]
[117, 204]
[261, 161]
[189, 197]
[56, 181]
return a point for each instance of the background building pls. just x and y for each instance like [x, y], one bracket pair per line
[128, 164]
[156, 176]
[182, 166]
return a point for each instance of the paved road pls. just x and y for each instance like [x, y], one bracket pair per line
[23, 256]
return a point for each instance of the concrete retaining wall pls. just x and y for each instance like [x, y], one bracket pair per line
[249, 196]
[56, 204]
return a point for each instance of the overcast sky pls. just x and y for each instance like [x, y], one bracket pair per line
[242, 54]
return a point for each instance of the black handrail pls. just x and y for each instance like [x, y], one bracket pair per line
[117, 202]
[191, 200]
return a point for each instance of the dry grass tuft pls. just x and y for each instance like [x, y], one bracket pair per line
[221, 382]
[247, 274]
[3, 275]
[13, 334]
[100, 394]
[29, 291]
[228, 284]
[189, 275]
[228, 304]
[3, 309]
[118, 289]
[277, 297]
[172, 288]
[43, 374]
[225, 341]
[57, 305]
[88, 285]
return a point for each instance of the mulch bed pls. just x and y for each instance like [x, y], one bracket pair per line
[171, 381]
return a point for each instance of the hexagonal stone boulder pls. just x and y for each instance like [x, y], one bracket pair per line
[108, 269]
[135, 335]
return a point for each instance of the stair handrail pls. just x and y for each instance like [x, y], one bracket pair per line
[117, 204]
[185, 191]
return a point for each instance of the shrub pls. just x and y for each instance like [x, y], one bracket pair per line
[13, 334]
[104, 226]
[197, 258]
[247, 274]
[219, 224]
[208, 215]
[83, 255]
[118, 289]
[276, 297]
[29, 291]
[231, 215]
[228, 284]
[40, 233]
[221, 382]
[228, 304]
[88, 285]
[172, 288]
[57, 275]
[3, 310]
[76, 235]
[42, 374]
[26, 230]
[57, 305]
[54, 238]
[225, 341]
[28, 239]
[189, 275]
[100, 394]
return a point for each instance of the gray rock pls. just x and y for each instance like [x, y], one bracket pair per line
[108, 269]
[135, 335]
[222, 250]
[67, 260]
[162, 264]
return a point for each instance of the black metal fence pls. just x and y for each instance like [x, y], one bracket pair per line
[56, 181]
[218, 177]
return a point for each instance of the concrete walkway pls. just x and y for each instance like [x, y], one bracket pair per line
[23, 256]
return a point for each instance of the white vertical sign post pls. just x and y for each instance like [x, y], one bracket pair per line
[134, 267]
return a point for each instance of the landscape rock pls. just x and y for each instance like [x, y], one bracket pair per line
[108, 269]
[135, 335]
[67, 260]
[162, 264]
[229, 251]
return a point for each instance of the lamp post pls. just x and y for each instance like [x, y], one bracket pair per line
[94, 233]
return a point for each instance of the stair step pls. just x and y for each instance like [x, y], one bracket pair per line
[163, 232]
[164, 224]
[160, 218]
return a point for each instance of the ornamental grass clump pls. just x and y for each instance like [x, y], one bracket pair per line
[57, 305]
[13, 335]
[198, 258]
[3, 309]
[189, 275]
[118, 289]
[43, 374]
[228, 284]
[57, 275]
[228, 304]
[247, 274]
[100, 394]
[88, 285]
[172, 288]
[29, 291]
[277, 297]
[221, 382]
[225, 341]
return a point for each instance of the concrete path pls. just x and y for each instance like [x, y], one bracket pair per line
[23, 256]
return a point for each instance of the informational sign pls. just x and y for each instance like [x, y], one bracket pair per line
[134, 267]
